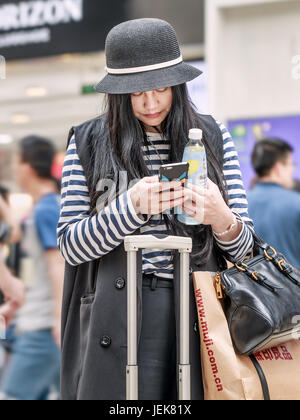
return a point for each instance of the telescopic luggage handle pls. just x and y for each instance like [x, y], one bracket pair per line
[132, 245]
[180, 243]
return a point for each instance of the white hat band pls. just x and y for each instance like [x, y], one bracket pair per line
[145, 68]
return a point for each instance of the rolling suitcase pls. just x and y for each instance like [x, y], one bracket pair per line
[132, 245]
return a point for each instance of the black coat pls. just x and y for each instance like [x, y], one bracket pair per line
[94, 319]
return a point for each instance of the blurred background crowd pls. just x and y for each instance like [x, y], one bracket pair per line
[51, 56]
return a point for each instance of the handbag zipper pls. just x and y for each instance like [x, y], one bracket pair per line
[219, 286]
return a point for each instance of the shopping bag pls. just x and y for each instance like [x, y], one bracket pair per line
[228, 376]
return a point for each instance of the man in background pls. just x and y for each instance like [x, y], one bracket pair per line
[10, 231]
[273, 205]
[10, 246]
[33, 368]
[11, 289]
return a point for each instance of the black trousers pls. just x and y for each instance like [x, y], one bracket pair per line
[157, 347]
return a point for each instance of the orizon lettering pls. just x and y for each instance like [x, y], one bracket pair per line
[39, 13]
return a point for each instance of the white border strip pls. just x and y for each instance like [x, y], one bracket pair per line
[145, 68]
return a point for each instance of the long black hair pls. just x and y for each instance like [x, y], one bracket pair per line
[121, 150]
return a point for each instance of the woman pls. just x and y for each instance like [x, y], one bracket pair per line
[146, 124]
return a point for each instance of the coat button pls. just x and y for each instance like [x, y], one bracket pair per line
[105, 341]
[120, 283]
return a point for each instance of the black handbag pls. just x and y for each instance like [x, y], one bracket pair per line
[261, 300]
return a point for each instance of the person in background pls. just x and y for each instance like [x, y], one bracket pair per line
[11, 289]
[5, 228]
[10, 231]
[12, 249]
[13, 292]
[273, 205]
[34, 365]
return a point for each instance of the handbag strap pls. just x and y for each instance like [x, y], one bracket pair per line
[259, 243]
[262, 378]
[278, 260]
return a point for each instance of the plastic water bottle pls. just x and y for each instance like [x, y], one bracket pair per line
[195, 154]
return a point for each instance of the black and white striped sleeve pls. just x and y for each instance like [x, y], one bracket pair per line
[81, 237]
[242, 246]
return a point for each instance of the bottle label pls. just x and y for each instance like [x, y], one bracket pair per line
[198, 167]
[196, 156]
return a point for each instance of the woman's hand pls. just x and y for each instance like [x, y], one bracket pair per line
[209, 208]
[149, 196]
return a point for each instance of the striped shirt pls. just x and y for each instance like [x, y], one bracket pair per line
[83, 238]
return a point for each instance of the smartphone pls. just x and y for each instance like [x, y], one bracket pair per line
[174, 172]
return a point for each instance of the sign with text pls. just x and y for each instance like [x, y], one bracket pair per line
[247, 132]
[38, 28]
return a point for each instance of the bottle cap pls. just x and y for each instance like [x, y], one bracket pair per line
[196, 134]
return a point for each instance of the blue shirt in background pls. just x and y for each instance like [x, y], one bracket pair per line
[275, 211]
[46, 215]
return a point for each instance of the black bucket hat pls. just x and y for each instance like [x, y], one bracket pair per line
[142, 55]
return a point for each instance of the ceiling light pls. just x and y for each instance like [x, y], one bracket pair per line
[36, 91]
[20, 119]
